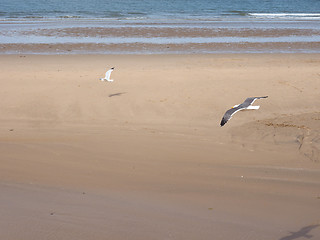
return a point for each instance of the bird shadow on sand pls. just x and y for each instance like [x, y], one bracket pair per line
[302, 233]
[116, 94]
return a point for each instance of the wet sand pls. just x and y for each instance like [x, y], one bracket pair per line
[144, 157]
[147, 48]
[107, 37]
[158, 30]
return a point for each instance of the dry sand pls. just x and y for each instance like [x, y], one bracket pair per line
[144, 157]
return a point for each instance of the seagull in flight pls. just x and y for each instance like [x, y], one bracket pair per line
[247, 104]
[107, 77]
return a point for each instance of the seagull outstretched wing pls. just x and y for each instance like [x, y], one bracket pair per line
[228, 115]
[108, 75]
[245, 105]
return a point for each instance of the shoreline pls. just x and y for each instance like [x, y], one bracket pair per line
[109, 37]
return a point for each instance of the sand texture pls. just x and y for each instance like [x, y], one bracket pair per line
[144, 157]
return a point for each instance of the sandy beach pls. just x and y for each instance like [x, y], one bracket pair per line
[144, 157]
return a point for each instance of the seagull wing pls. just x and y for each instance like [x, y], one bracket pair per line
[228, 115]
[250, 101]
[108, 74]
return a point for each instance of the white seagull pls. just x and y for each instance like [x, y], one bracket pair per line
[245, 105]
[108, 74]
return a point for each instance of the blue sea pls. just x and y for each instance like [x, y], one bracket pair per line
[160, 9]
[159, 26]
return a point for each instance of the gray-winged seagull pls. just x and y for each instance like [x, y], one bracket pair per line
[108, 74]
[245, 105]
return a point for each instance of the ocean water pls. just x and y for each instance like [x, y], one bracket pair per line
[160, 26]
[160, 9]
